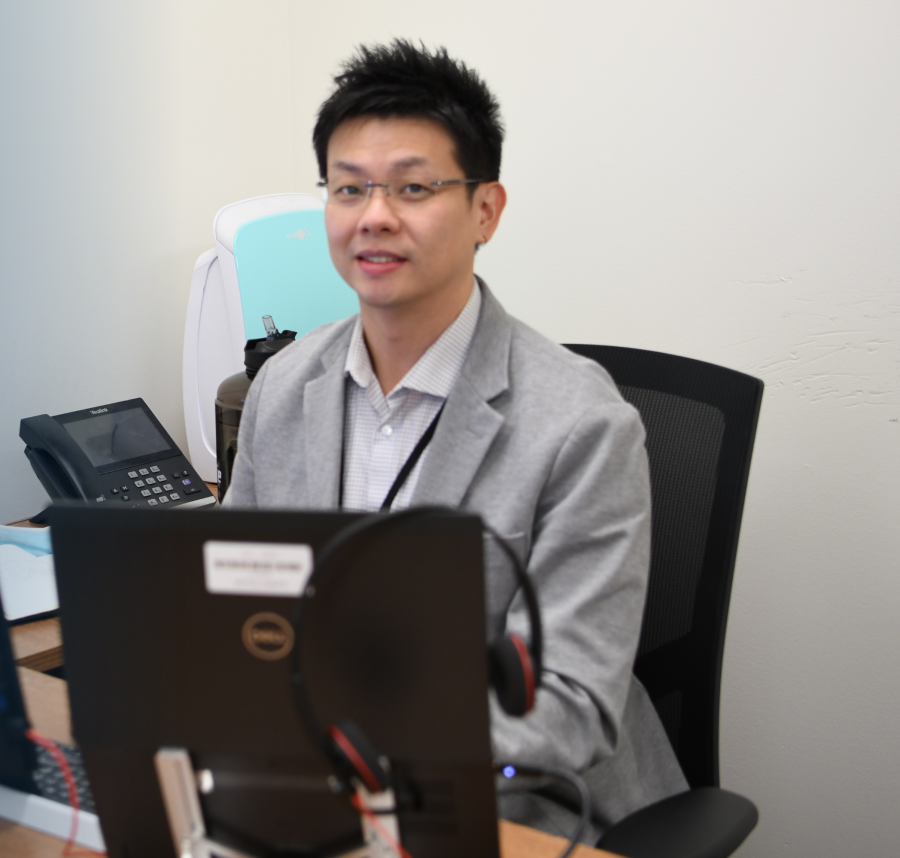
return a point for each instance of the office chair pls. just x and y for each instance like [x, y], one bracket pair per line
[701, 423]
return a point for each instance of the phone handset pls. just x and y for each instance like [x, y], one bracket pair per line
[63, 469]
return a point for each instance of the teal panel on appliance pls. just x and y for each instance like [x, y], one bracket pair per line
[285, 271]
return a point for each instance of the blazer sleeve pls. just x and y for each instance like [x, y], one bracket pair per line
[589, 561]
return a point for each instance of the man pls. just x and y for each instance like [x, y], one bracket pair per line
[532, 438]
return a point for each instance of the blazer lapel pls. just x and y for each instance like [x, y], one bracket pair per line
[323, 418]
[469, 424]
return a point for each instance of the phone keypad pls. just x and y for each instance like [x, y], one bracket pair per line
[158, 489]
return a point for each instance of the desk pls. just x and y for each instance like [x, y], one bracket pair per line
[516, 841]
[38, 646]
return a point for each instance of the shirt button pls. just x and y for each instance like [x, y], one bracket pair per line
[387, 431]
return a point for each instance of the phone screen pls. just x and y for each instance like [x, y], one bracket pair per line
[117, 436]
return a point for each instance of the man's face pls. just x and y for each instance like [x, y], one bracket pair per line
[395, 253]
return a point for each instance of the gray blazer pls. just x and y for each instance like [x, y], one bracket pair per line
[539, 442]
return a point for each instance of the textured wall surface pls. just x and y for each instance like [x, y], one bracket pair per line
[715, 180]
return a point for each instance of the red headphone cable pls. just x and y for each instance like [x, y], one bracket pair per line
[376, 823]
[59, 758]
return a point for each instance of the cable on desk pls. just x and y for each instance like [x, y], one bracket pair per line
[511, 770]
[59, 758]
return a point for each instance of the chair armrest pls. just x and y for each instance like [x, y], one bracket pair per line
[701, 823]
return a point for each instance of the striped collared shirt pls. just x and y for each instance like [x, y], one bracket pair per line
[381, 431]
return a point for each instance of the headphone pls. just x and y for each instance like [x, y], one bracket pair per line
[515, 667]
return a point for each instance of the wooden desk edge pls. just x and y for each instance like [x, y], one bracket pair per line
[519, 841]
[516, 841]
[37, 645]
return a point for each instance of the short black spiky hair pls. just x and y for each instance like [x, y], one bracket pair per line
[400, 79]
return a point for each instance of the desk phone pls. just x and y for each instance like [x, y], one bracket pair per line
[116, 454]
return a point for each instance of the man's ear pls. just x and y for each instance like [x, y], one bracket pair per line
[491, 200]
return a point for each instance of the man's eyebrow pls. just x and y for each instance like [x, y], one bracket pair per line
[396, 168]
[347, 167]
[406, 163]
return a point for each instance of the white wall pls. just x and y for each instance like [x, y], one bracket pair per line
[713, 179]
[124, 128]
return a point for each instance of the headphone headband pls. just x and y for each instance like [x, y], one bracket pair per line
[348, 539]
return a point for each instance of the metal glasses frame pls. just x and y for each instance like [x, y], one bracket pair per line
[370, 186]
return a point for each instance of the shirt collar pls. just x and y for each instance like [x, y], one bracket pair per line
[436, 371]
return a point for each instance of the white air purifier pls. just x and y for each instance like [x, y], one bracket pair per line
[271, 259]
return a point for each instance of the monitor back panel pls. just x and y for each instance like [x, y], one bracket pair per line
[155, 660]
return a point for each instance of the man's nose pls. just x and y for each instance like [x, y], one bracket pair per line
[378, 212]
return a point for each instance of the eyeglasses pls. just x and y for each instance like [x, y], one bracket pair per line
[347, 192]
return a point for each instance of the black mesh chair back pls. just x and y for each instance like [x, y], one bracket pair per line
[701, 423]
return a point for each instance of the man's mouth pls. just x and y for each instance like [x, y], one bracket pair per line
[380, 257]
[379, 263]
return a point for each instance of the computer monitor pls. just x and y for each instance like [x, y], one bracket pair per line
[17, 754]
[160, 653]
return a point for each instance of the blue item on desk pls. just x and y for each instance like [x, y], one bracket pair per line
[27, 581]
[34, 540]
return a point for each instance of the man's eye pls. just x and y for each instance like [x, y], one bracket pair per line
[415, 191]
[348, 190]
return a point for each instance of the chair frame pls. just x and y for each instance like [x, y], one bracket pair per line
[738, 397]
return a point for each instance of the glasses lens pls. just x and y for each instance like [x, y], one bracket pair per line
[346, 192]
[412, 190]
[406, 189]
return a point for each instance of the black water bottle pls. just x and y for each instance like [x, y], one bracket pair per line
[233, 391]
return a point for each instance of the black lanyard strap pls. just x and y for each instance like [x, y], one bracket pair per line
[411, 462]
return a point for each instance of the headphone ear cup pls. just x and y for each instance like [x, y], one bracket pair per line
[512, 675]
[356, 756]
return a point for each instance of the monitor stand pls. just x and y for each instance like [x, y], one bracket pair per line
[180, 784]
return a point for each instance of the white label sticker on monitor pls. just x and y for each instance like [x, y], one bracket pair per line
[256, 568]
